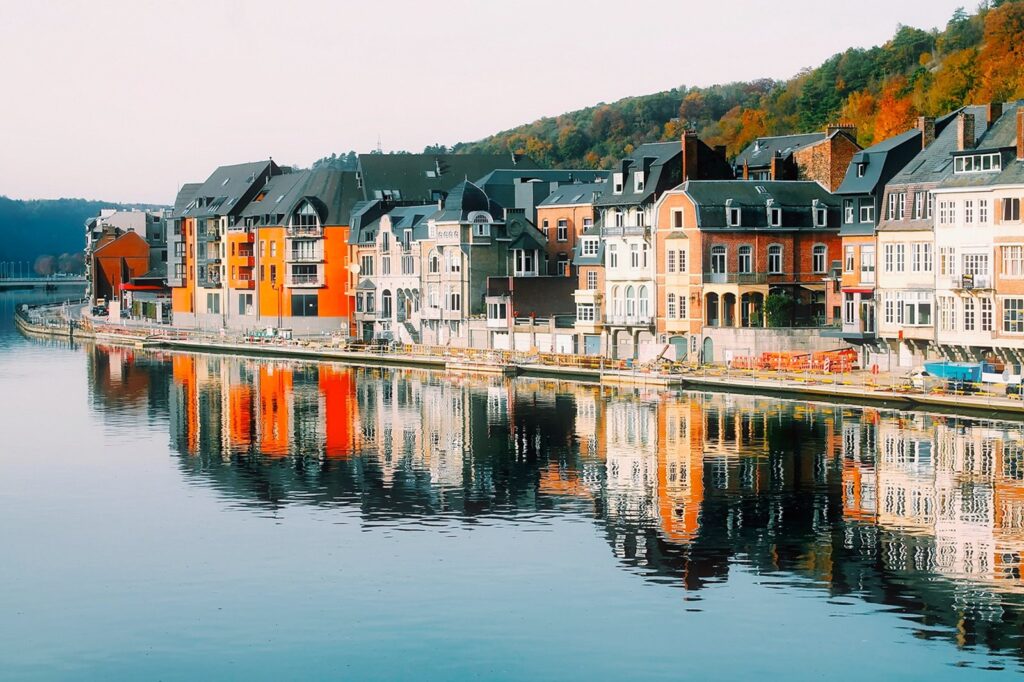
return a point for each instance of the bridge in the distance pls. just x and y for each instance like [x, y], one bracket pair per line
[25, 283]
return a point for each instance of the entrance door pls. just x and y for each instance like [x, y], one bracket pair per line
[680, 347]
[708, 354]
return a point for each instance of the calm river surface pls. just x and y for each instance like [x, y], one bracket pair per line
[175, 516]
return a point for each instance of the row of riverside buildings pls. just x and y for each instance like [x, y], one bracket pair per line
[911, 249]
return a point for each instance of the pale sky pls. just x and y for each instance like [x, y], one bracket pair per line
[125, 100]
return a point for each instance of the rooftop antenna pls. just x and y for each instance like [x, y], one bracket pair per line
[380, 149]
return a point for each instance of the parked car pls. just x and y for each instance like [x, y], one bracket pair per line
[100, 310]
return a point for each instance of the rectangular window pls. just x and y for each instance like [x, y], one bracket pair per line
[867, 264]
[774, 260]
[617, 183]
[734, 216]
[592, 280]
[1013, 261]
[634, 255]
[892, 206]
[901, 257]
[1013, 315]
[986, 314]
[887, 309]
[589, 247]
[563, 230]
[867, 211]
[848, 259]
[366, 266]
[744, 260]
[638, 181]
[775, 216]
[947, 314]
[273, 274]
[943, 212]
[848, 309]
[385, 265]
[682, 260]
[588, 223]
[983, 211]
[273, 249]
[677, 219]
[263, 248]
[926, 260]
[918, 205]
[585, 312]
[975, 264]
[847, 211]
[1011, 210]
[670, 261]
[929, 206]
[968, 314]
[968, 212]
[901, 205]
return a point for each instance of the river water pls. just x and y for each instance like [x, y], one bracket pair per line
[177, 516]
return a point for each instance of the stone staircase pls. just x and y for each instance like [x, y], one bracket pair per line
[413, 333]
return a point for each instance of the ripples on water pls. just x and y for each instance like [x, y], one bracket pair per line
[867, 513]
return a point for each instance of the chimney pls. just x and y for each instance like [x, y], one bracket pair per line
[848, 128]
[992, 113]
[964, 131]
[776, 167]
[690, 160]
[926, 124]
[1020, 131]
[746, 170]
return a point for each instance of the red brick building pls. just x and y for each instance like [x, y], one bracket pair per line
[116, 261]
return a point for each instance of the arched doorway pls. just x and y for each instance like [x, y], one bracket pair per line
[728, 310]
[708, 352]
[711, 310]
[401, 307]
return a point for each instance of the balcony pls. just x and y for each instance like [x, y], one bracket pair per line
[972, 282]
[305, 280]
[305, 231]
[305, 256]
[629, 320]
[626, 231]
[736, 277]
[244, 261]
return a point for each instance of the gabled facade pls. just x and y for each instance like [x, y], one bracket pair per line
[724, 247]
[862, 193]
[625, 218]
[563, 217]
[979, 243]
[905, 248]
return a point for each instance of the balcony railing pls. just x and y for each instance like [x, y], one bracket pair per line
[305, 230]
[736, 277]
[305, 257]
[629, 320]
[305, 280]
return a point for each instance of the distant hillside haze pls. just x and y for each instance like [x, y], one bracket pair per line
[45, 227]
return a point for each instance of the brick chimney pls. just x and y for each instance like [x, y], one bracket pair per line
[690, 161]
[992, 113]
[746, 170]
[776, 167]
[1020, 131]
[926, 124]
[848, 128]
[964, 131]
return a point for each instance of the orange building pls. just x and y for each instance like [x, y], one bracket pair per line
[115, 261]
[257, 246]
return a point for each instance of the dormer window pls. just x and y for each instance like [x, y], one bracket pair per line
[820, 214]
[977, 163]
[732, 214]
[589, 247]
[638, 181]
[774, 215]
[481, 228]
[617, 183]
[862, 166]
[305, 217]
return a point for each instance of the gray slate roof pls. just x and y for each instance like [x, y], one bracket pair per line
[228, 190]
[417, 176]
[883, 161]
[759, 153]
[795, 197]
[1002, 137]
[574, 194]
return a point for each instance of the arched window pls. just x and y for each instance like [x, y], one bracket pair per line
[305, 216]
[744, 260]
[616, 218]
[670, 307]
[718, 260]
[433, 262]
[819, 256]
[630, 301]
[775, 259]
[385, 304]
[643, 303]
[616, 302]
[613, 256]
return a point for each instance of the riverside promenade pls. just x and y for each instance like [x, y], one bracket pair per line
[853, 387]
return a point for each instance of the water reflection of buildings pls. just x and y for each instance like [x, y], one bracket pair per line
[925, 512]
